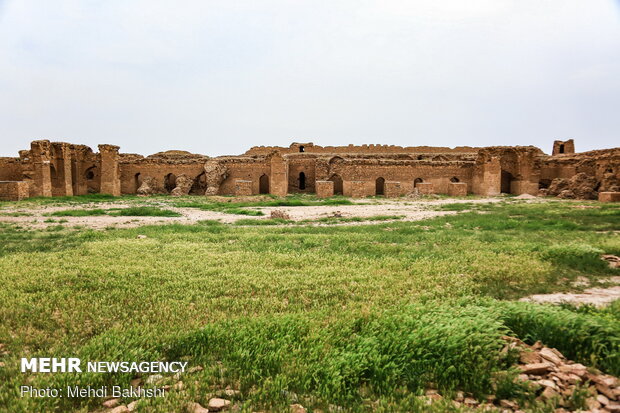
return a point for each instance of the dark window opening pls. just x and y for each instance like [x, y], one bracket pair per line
[301, 148]
[380, 186]
[454, 179]
[263, 184]
[506, 181]
[417, 181]
[544, 183]
[170, 182]
[90, 174]
[138, 181]
[302, 181]
[561, 148]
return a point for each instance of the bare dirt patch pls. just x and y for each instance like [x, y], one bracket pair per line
[409, 210]
[597, 296]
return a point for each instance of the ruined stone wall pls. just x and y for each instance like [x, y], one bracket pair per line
[162, 171]
[361, 149]
[301, 172]
[10, 169]
[439, 173]
[244, 169]
[58, 169]
[13, 190]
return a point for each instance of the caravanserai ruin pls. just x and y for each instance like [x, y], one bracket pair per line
[64, 169]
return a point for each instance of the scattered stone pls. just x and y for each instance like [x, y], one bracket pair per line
[154, 378]
[132, 406]
[551, 356]
[216, 404]
[111, 403]
[197, 408]
[231, 393]
[602, 400]
[536, 368]
[529, 357]
[508, 404]
[141, 236]
[470, 402]
[612, 260]
[279, 214]
[567, 194]
[549, 393]
[592, 403]
[195, 369]
[179, 386]
[119, 409]
[135, 383]
[297, 408]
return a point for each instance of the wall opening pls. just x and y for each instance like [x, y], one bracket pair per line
[337, 180]
[90, 173]
[301, 148]
[454, 179]
[199, 186]
[561, 148]
[380, 186]
[263, 184]
[417, 181]
[302, 181]
[170, 182]
[506, 181]
[137, 181]
[544, 183]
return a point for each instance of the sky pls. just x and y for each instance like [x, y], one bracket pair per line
[217, 76]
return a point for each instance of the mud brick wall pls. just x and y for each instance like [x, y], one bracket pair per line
[393, 189]
[10, 169]
[110, 173]
[324, 189]
[13, 190]
[457, 189]
[425, 188]
[609, 196]
[358, 189]
[243, 188]
[59, 168]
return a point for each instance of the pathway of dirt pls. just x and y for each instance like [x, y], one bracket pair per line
[405, 209]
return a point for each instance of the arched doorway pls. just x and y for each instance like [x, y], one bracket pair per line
[302, 181]
[137, 181]
[337, 180]
[417, 181]
[454, 179]
[263, 184]
[170, 182]
[380, 186]
[199, 187]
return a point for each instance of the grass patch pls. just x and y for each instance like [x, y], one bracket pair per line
[78, 213]
[340, 315]
[144, 211]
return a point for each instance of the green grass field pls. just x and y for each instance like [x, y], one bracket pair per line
[363, 318]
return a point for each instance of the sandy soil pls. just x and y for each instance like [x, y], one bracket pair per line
[597, 296]
[410, 210]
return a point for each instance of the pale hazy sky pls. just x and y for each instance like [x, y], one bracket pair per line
[217, 77]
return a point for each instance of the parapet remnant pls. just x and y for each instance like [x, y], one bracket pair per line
[64, 169]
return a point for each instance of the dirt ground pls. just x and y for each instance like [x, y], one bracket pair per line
[410, 210]
[597, 296]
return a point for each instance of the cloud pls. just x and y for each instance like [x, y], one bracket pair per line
[217, 76]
